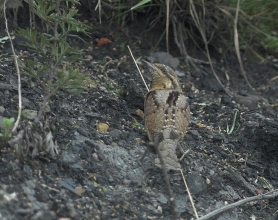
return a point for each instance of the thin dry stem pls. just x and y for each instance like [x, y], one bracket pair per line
[274, 78]
[268, 195]
[138, 68]
[99, 10]
[189, 194]
[237, 47]
[239, 56]
[202, 32]
[17, 70]
[167, 24]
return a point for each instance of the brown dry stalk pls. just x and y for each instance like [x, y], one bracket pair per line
[189, 194]
[17, 70]
[268, 195]
[167, 24]
[203, 35]
[239, 56]
[237, 47]
[99, 10]
[138, 68]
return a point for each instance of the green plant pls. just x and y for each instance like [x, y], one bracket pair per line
[258, 22]
[122, 47]
[50, 68]
[231, 129]
[53, 54]
[135, 123]
[7, 126]
[138, 5]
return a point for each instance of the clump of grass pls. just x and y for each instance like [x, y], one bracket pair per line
[6, 135]
[256, 23]
[50, 68]
[234, 126]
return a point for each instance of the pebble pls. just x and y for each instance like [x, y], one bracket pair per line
[2, 109]
[196, 183]
[115, 134]
[29, 114]
[102, 127]
[165, 58]
[195, 133]
[83, 132]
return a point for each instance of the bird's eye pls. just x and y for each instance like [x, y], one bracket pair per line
[164, 71]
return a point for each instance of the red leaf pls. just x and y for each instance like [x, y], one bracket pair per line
[102, 41]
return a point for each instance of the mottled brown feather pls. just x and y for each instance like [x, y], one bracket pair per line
[167, 113]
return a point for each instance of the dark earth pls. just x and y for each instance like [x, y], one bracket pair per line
[96, 175]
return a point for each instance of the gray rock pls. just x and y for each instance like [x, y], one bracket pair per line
[29, 114]
[115, 134]
[83, 132]
[165, 58]
[196, 183]
[195, 134]
[25, 102]
[44, 214]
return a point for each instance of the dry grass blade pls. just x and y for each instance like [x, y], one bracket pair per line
[189, 194]
[179, 35]
[167, 24]
[138, 68]
[238, 53]
[99, 10]
[139, 4]
[203, 34]
[17, 70]
[237, 47]
[274, 78]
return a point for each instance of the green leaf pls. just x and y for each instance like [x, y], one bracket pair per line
[140, 4]
[8, 122]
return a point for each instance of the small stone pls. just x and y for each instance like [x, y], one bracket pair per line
[29, 114]
[138, 140]
[2, 109]
[89, 57]
[1, 123]
[95, 156]
[208, 181]
[179, 73]
[115, 134]
[165, 58]
[226, 100]
[159, 209]
[102, 127]
[83, 132]
[195, 133]
[25, 102]
[161, 198]
[196, 183]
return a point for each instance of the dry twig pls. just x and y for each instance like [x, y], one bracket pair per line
[17, 70]
[268, 195]
[138, 68]
[203, 34]
[167, 24]
[189, 194]
[238, 54]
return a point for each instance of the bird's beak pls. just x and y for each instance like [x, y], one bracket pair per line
[153, 69]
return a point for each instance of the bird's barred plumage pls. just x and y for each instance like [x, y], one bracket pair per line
[166, 113]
